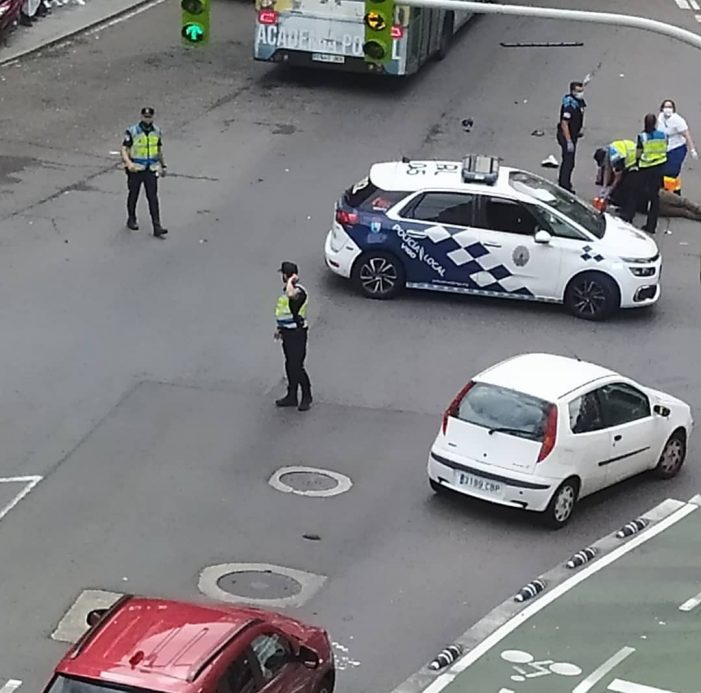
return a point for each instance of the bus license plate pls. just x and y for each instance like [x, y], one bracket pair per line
[478, 483]
[328, 58]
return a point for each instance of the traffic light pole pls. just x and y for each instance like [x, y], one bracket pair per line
[626, 20]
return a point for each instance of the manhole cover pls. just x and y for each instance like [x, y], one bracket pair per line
[309, 481]
[259, 584]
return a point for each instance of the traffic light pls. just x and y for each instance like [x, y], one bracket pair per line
[195, 21]
[379, 17]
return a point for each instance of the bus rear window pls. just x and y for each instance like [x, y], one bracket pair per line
[367, 197]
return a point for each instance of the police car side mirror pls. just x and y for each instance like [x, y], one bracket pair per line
[661, 410]
[542, 236]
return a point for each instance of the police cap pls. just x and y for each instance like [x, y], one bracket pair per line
[147, 111]
[288, 268]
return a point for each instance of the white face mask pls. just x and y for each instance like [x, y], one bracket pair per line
[667, 112]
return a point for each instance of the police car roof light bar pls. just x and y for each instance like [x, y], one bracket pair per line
[477, 168]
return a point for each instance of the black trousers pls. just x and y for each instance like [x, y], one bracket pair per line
[294, 346]
[564, 179]
[626, 195]
[650, 182]
[150, 183]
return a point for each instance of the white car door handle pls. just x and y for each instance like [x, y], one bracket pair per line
[492, 245]
[415, 234]
[617, 437]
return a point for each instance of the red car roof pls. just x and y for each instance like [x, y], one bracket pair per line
[155, 643]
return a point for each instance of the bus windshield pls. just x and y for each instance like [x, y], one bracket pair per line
[561, 200]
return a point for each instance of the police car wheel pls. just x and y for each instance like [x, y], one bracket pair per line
[561, 506]
[378, 275]
[592, 296]
[672, 457]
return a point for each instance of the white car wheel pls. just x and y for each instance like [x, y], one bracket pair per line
[562, 504]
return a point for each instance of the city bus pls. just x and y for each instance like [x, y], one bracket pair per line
[331, 34]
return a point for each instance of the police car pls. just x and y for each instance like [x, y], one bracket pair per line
[477, 227]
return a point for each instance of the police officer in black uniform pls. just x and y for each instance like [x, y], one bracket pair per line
[292, 328]
[569, 129]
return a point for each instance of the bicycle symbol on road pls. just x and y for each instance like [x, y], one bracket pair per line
[526, 666]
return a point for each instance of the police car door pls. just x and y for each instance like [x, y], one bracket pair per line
[516, 265]
[436, 236]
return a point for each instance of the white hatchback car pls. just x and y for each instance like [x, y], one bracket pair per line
[540, 431]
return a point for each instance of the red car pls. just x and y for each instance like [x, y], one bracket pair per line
[9, 13]
[146, 645]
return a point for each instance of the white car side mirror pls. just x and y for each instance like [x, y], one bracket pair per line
[542, 236]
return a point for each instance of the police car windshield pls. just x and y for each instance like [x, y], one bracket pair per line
[559, 199]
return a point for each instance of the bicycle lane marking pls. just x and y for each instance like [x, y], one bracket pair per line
[667, 514]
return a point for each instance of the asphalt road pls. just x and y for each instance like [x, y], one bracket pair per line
[139, 375]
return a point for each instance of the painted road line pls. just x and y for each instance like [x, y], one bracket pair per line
[549, 597]
[588, 683]
[694, 5]
[621, 686]
[29, 483]
[691, 604]
[682, 4]
[11, 686]
[698, 18]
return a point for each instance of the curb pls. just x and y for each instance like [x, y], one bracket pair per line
[69, 33]
[428, 676]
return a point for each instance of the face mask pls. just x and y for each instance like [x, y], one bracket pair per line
[578, 94]
[667, 112]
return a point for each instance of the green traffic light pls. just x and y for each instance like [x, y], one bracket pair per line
[192, 32]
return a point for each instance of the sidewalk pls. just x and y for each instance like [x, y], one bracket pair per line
[62, 23]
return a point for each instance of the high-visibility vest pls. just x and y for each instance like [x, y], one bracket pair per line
[672, 184]
[654, 149]
[623, 149]
[283, 315]
[145, 149]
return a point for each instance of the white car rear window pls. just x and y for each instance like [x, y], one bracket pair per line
[504, 410]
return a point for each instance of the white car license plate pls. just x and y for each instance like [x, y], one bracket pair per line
[328, 58]
[493, 488]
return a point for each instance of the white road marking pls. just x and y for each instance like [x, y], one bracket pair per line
[11, 686]
[691, 604]
[342, 657]
[29, 483]
[698, 18]
[682, 4]
[621, 686]
[588, 683]
[683, 509]
[694, 5]
[124, 17]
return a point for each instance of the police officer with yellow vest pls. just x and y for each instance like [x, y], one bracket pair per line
[617, 172]
[651, 157]
[142, 154]
[291, 318]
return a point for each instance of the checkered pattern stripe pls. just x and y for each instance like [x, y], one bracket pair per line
[482, 271]
[586, 254]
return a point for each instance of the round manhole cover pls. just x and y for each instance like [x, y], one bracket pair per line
[309, 481]
[259, 584]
